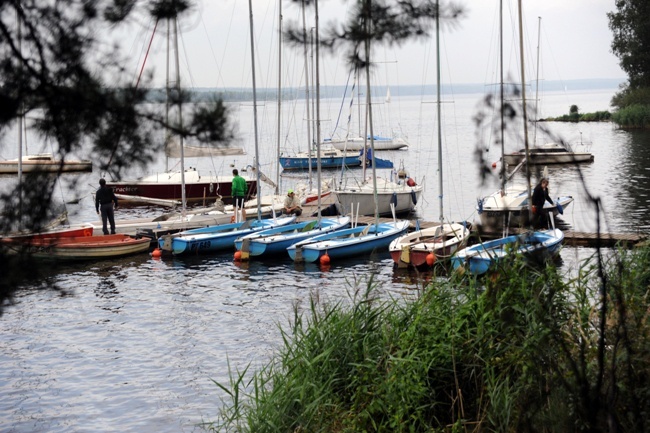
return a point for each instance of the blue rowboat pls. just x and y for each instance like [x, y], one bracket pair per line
[352, 242]
[536, 246]
[276, 240]
[217, 238]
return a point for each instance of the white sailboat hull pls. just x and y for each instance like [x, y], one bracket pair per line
[360, 200]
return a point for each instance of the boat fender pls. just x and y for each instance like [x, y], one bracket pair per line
[560, 209]
[479, 205]
[211, 187]
[393, 199]
[414, 197]
[410, 181]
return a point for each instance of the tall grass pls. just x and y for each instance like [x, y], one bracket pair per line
[525, 350]
[633, 116]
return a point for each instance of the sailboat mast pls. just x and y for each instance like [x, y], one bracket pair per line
[523, 98]
[21, 117]
[539, 28]
[442, 215]
[501, 100]
[180, 115]
[257, 162]
[306, 56]
[369, 110]
[277, 172]
[318, 161]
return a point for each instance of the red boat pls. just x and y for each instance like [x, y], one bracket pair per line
[167, 186]
[79, 248]
[77, 230]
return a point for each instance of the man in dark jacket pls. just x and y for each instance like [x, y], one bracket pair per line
[104, 200]
[540, 196]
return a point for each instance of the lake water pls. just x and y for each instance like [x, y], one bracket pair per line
[134, 344]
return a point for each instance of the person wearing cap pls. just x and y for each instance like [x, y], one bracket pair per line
[291, 204]
[104, 200]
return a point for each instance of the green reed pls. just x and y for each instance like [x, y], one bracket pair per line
[521, 350]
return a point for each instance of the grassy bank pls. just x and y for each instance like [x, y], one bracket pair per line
[523, 351]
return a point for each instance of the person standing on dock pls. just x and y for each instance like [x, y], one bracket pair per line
[238, 191]
[104, 201]
[540, 195]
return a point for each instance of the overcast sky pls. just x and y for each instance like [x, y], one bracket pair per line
[215, 45]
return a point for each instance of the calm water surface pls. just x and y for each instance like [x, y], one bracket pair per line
[134, 344]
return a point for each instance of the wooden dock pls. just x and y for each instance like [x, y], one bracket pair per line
[571, 238]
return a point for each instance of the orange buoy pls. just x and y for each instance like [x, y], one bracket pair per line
[325, 259]
[238, 255]
[494, 165]
[156, 253]
[431, 259]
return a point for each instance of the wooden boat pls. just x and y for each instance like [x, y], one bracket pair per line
[76, 230]
[217, 238]
[79, 248]
[274, 241]
[44, 163]
[352, 242]
[549, 153]
[537, 246]
[424, 247]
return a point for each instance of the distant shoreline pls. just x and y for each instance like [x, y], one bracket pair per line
[245, 94]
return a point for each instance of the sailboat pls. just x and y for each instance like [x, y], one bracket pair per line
[358, 142]
[425, 246]
[357, 240]
[187, 185]
[510, 204]
[539, 245]
[39, 162]
[551, 152]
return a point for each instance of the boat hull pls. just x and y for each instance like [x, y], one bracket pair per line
[358, 143]
[362, 201]
[78, 230]
[294, 163]
[274, 242]
[168, 186]
[537, 247]
[440, 242]
[214, 239]
[352, 242]
[81, 248]
[548, 158]
[45, 166]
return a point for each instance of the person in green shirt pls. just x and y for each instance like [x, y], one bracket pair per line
[238, 191]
